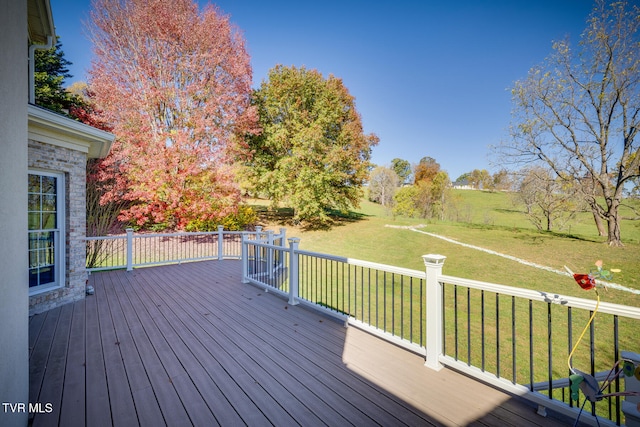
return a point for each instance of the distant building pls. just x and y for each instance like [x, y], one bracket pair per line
[463, 184]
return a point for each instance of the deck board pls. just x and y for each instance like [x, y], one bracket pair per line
[72, 410]
[97, 410]
[192, 345]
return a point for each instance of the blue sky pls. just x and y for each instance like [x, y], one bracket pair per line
[430, 78]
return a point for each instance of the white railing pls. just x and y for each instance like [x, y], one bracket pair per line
[137, 250]
[512, 338]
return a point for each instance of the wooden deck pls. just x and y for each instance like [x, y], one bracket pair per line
[191, 345]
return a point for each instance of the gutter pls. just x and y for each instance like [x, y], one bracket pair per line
[32, 50]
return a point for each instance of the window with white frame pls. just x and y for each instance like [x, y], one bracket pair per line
[46, 230]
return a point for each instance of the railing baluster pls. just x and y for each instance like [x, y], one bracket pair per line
[569, 344]
[531, 376]
[592, 354]
[482, 334]
[455, 319]
[377, 304]
[549, 351]
[616, 356]
[411, 309]
[497, 334]
[513, 341]
[401, 307]
[393, 304]
[469, 326]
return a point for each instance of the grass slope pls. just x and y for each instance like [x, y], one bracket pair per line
[491, 222]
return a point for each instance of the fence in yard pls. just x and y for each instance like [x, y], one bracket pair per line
[136, 250]
[515, 339]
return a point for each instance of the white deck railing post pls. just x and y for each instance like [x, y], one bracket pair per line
[220, 242]
[270, 253]
[245, 257]
[293, 270]
[283, 236]
[433, 264]
[129, 249]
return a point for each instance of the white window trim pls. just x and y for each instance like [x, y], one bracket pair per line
[60, 239]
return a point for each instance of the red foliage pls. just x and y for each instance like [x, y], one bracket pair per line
[174, 83]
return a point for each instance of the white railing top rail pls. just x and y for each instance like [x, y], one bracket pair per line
[119, 236]
[367, 264]
[352, 261]
[567, 301]
[180, 234]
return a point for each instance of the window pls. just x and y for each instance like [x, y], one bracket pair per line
[46, 226]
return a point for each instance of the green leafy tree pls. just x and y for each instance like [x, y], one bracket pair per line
[50, 71]
[404, 202]
[312, 154]
[402, 168]
[425, 199]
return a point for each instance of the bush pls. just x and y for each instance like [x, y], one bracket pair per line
[240, 220]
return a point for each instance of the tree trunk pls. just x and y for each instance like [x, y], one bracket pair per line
[613, 223]
[549, 220]
[598, 220]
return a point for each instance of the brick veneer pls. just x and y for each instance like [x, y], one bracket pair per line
[73, 164]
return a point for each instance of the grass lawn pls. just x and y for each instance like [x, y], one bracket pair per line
[494, 224]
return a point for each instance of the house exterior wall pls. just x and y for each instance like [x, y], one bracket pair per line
[14, 310]
[72, 163]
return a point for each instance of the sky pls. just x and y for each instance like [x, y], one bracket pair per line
[430, 78]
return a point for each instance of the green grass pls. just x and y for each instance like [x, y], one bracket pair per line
[496, 225]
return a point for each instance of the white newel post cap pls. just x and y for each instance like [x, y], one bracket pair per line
[294, 241]
[432, 260]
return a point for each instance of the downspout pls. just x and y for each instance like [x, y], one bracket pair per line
[32, 66]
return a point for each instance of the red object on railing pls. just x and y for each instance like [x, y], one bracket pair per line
[586, 281]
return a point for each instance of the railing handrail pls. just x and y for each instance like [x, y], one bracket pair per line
[367, 264]
[568, 301]
[112, 237]
[175, 234]
[183, 252]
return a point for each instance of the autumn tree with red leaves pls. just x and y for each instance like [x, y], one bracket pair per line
[174, 83]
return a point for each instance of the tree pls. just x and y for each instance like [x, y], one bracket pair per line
[404, 202]
[402, 168]
[50, 71]
[579, 113]
[382, 185]
[501, 180]
[312, 153]
[174, 83]
[548, 202]
[480, 179]
[426, 198]
[426, 170]
[432, 195]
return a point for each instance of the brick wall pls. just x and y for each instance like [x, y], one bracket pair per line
[73, 164]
